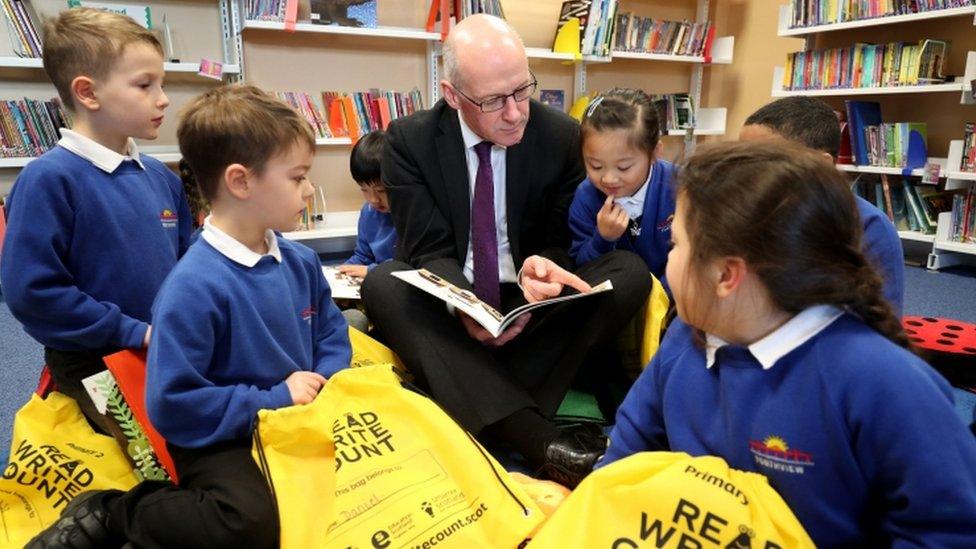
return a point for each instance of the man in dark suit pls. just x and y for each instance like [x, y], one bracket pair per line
[479, 188]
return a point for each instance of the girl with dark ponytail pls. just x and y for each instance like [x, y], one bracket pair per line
[787, 360]
[626, 201]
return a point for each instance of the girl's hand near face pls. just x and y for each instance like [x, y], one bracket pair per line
[611, 220]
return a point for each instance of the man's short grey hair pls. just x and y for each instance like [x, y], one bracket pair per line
[452, 72]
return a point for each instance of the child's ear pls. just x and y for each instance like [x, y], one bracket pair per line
[236, 180]
[83, 91]
[730, 272]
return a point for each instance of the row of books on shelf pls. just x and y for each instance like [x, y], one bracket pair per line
[361, 13]
[866, 66]
[596, 20]
[806, 13]
[471, 7]
[647, 35]
[29, 127]
[22, 25]
[675, 111]
[969, 148]
[962, 226]
[910, 206]
[888, 143]
[353, 114]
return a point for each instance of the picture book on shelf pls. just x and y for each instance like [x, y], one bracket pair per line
[482, 313]
[343, 286]
[553, 98]
[345, 13]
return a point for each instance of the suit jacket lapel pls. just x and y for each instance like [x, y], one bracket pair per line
[454, 169]
[517, 183]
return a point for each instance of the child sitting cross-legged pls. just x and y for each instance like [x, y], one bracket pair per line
[244, 322]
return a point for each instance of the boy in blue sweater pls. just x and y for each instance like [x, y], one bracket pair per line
[244, 322]
[626, 201]
[811, 122]
[787, 359]
[94, 226]
[377, 236]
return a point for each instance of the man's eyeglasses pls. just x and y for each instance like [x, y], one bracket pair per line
[497, 102]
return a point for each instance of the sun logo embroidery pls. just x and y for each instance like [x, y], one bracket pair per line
[307, 313]
[168, 218]
[773, 453]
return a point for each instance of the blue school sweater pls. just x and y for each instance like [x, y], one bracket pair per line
[226, 337]
[376, 239]
[86, 251]
[654, 240]
[858, 435]
[882, 245]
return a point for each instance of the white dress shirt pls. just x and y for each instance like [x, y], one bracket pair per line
[634, 204]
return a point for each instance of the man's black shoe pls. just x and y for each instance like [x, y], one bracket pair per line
[571, 455]
[83, 525]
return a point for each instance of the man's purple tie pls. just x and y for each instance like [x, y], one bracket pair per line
[484, 239]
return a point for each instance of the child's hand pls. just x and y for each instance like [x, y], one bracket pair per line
[354, 270]
[303, 386]
[611, 220]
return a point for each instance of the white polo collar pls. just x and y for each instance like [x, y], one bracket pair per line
[101, 156]
[783, 340]
[634, 204]
[234, 250]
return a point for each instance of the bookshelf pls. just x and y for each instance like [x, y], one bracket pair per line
[338, 234]
[200, 29]
[944, 106]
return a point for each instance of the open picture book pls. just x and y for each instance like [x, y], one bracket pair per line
[484, 314]
[343, 286]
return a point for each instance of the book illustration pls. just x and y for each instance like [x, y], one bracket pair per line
[485, 315]
[343, 286]
[108, 400]
[345, 13]
[553, 98]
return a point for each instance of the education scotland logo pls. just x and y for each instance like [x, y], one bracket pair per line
[773, 453]
[168, 218]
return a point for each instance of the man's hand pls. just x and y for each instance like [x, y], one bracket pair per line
[543, 279]
[303, 386]
[354, 270]
[484, 337]
[145, 338]
[611, 220]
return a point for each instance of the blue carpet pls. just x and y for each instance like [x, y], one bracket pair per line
[945, 294]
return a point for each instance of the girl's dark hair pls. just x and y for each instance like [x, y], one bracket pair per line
[194, 196]
[791, 216]
[364, 162]
[627, 109]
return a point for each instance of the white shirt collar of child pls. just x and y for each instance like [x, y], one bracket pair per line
[101, 156]
[634, 204]
[783, 340]
[234, 250]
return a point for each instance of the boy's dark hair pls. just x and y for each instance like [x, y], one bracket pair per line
[806, 120]
[364, 162]
[87, 42]
[628, 109]
[234, 124]
[792, 218]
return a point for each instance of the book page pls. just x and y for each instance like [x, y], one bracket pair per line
[343, 286]
[484, 314]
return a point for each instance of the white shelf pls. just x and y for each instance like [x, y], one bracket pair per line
[918, 172]
[38, 63]
[784, 19]
[956, 178]
[338, 234]
[956, 247]
[721, 54]
[383, 32]
[168, 155]
[333, 141]
[709, 121]
[917, 236]
[962, 176]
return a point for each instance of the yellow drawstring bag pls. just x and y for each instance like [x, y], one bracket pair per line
[670, 499]
[54, 456]
[641, 337]
[371, 464]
